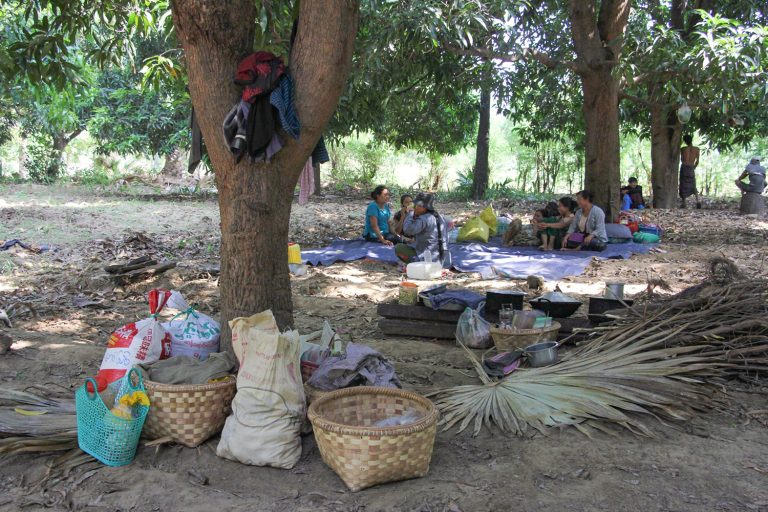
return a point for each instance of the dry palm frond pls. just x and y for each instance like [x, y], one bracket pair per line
[617, 383]
[653, 362]
[33, 423]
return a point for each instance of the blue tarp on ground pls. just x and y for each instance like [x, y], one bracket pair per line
[475, 257]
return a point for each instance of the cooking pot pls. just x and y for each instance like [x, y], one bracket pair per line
[494, 300]
[599, 305]
[556, 304]
[614, 290]
[542, 354]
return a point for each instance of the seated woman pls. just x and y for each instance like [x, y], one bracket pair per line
[429, 231]
[587, 230]
[554, 229]
[406, 205]
[377, 217]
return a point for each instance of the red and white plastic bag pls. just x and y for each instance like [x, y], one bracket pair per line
[145, 341]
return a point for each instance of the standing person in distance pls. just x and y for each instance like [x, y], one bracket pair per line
[689, 160]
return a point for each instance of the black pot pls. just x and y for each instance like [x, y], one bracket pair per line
[555, 309]
[599, 305]
[495, 300]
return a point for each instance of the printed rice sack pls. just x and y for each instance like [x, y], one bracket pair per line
[474, 230]
[139, 342]
[192, 333]
[269, 408]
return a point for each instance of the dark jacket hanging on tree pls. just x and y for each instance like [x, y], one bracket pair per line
[250, 125]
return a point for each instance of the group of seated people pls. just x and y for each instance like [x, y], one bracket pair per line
[419, 233]
[416, 220]
[571, 225]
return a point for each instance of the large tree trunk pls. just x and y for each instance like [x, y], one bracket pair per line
[255, 199]
[481, 170]
[601, 141]
[666, 132]
[597, 29]
[60, 143]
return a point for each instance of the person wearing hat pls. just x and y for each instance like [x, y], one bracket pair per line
[756, 174]
[429, 231]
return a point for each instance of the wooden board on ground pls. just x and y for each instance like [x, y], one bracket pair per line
[418, 312]
[417, 328]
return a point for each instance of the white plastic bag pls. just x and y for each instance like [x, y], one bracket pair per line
[192, 333]
[145, 341]
[473, 331]
[269, 407]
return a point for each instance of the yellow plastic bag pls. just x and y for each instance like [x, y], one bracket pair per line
[474, 230]
[489, 217]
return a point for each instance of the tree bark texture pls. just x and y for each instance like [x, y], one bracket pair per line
[255, 198]
[481, 171]
[597, 29]
[666, 133]
[318, 184]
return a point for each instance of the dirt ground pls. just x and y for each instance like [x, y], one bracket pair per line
[64, 307]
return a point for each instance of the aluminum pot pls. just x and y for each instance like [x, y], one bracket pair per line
[542, 354]
[614, 291]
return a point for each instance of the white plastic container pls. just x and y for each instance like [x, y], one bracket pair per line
[423, 270]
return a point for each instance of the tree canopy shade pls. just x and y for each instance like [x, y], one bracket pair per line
[404, 90]
[658, 55]
[694, 53]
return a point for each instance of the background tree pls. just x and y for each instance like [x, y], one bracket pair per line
[688, 53]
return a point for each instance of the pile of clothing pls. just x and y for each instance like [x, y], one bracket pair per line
[250, 127]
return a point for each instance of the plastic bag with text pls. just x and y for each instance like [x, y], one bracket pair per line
[192, 333]
[139, 342]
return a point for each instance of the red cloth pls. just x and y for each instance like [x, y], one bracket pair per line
[258, 74]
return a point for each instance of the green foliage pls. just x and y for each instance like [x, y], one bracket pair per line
[713, 61]
[42, 164]
[403, 90]
[357, 163]
[95, 176]
[127, 119]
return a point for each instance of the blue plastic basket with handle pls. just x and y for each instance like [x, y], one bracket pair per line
[110, 439]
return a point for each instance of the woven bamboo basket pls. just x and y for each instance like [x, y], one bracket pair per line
[188, 414]
[511, 339]
[363, 455]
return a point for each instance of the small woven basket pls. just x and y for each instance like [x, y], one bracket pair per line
[511, 339]
[188, 414]
[363, 455]
[108, 438]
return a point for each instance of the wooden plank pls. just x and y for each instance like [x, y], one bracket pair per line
[417, 328]
[417, 313]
